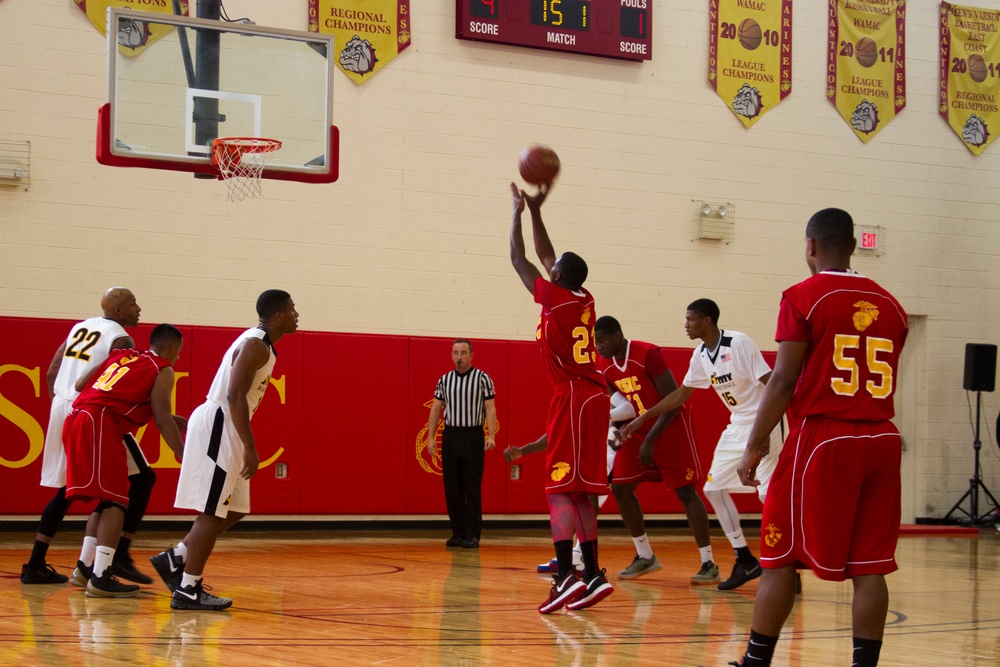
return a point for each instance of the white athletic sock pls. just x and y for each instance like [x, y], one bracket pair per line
[88, 551]
[706, 553]
[737, 539]
[102, 560]
[728, 516]
[642, 547]
[577, 553]
[190, 580]
[181, 551]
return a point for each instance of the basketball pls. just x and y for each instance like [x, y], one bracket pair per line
[750, 34]
[538, 164]
[866, 51]
[977, 68]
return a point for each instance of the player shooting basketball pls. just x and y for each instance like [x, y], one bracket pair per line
[578, 414]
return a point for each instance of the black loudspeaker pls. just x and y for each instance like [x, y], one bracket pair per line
[980, 367]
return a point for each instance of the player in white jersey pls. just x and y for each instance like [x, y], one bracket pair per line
[86, 347]
[220, 455]
[731, 363]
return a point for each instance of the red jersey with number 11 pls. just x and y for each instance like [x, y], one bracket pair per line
[123, 383]
[856, 331]
[566, 334]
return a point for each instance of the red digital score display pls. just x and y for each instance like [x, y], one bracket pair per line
[610, 28]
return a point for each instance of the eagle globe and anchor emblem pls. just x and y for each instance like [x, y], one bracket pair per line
[432, 464]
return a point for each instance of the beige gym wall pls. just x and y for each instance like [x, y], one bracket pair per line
[413, 238]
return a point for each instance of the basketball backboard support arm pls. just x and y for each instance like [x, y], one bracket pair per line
[248, 80]
[185, 48]
[206, 109]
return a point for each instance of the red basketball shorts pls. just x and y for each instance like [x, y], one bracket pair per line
[675, 457]
[96, 460]
[834, 501]
[577, 431]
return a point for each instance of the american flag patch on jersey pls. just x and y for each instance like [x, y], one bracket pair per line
[725, 357]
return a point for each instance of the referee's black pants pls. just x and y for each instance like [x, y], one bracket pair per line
[462, 459]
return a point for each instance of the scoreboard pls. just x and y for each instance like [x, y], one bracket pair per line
[611, 28]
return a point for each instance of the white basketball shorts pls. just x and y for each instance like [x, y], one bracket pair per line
[210, 479]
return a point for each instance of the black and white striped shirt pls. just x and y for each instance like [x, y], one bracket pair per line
[463, 396]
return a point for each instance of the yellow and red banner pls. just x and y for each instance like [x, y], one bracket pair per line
[369, 33]
[133, 36]
[866, 64]
[970, 73]
[750, 54]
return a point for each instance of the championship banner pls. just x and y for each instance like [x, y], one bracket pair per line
[866, 64]
[133, 36]
[970, 71]
[750, 54]
[369, 32]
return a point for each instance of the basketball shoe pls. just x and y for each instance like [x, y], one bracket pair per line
[123, 567]
[169, 567]
[639, 567]
[597, 589]
[195, 598]
[742, 573]
[46, 574]
[553, 565]
[562, 593]
[708, 574]
[107, 586]
[82, 574]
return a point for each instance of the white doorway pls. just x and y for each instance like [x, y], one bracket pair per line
[908, 401]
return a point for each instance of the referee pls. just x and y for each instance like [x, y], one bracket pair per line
[468, 396]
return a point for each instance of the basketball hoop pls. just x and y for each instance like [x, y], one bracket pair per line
[241, 161]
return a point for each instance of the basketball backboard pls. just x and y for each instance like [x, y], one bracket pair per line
[206, 79]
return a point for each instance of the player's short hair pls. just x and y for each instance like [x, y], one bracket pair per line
[270, 302]
[705, 307]
[606, 324]
[832, 229]
[463, 340]
[573, 268]
[165, 334]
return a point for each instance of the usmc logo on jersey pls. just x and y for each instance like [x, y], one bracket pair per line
[773, 535]
[559, 471]
[867, 313]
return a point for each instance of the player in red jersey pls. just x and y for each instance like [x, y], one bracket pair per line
[663, 450]
[834, 500]
[118, 397]
[578, 414]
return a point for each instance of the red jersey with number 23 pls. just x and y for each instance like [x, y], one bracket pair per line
[856, 331]
[566, 334]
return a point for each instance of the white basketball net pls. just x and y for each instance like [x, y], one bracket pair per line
[241, 161]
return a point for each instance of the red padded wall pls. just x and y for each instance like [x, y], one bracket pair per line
[346, 413]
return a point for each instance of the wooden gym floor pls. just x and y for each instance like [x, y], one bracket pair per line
[403, 599]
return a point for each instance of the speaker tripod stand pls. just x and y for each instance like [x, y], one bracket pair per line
[972, 516]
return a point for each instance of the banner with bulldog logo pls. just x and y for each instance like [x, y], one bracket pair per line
[750, 54]
[369, 33]
[866, 64]
[133, 36]
[970, 72]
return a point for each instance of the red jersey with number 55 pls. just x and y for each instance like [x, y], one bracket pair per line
[566, 334]
[123, 383]
[856, 331]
